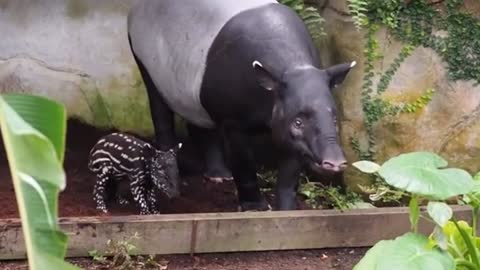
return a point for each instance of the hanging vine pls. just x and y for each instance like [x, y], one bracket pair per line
[414, 23]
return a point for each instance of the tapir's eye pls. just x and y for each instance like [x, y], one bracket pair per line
[298, 123]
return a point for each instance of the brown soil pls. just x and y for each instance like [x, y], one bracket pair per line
[198, 195]
[321, 259]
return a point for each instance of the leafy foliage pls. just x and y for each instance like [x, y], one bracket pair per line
[358, 10]
[440, 212]
[33, 131]
[318, 194]
[309, 15]
[420, 173]
[407, 252]
[118, 255]
[452, 244]
[315, 194]
[415, 23]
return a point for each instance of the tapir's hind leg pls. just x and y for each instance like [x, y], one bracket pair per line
[162, 115]
[209, 142]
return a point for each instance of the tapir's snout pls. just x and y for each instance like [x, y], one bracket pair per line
[334, 165]
[329, 158]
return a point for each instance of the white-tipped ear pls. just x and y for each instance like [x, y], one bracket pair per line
[264, 78]
[256, 63]
[337, 73]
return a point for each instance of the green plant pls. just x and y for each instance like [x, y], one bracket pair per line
[119, 251]
[309, 15]
[317, 194]
[378, 191]
[118, 255]
[424, 176]
[414, 23]
[33, 130]
[358, 10]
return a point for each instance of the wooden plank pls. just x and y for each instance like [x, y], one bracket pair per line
[228, 232]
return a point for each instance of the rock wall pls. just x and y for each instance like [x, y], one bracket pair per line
[448, 125]
[76, 52]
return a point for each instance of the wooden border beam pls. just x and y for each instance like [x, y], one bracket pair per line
[228, 232]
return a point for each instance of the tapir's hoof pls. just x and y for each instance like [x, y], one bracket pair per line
[254, 206]
[102, 213]
[217, 178]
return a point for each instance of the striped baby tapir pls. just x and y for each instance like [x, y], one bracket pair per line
[123, 157]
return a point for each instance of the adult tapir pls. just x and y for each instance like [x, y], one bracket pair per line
[232, 69]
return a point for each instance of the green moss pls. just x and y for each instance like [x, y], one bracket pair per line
[99, 111]
[123, 104]
[130, 110]
[414, 24]
[77, 9]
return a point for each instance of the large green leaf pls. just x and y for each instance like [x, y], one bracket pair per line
[473, 198]
[421, 173]
[369, 261]
[470, 242]
[43, 117]
[407, 252]
[455, 242]
[366, 166]
[440, 212]
[33, 130]
[414, 215]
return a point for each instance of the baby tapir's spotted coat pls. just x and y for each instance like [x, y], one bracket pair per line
[118, 156]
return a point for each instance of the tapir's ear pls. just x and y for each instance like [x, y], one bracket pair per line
[176, 148]
[337, 73]
[264, 77]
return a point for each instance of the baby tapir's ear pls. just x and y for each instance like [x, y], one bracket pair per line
[176, 148]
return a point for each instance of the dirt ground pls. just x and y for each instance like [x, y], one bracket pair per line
[197, 196]
[321, 259]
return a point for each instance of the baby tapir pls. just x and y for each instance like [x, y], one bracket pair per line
[120, 156]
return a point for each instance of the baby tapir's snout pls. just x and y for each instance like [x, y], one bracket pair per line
[165, 174]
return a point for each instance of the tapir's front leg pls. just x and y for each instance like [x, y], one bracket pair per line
[287, 183]
[241, 160]
[137, 186]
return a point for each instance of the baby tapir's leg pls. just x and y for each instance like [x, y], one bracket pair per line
[137, 186]
[99, 192]
[152, 201]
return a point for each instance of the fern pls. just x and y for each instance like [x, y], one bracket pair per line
[358, 10]
[309, 15]
[313, 21]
